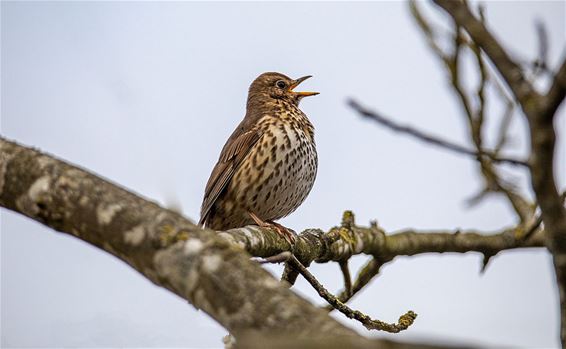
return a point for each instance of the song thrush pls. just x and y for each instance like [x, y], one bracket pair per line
[268, 165]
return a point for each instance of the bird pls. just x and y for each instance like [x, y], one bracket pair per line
[268, 165]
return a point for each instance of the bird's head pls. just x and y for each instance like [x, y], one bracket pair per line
[277, 86]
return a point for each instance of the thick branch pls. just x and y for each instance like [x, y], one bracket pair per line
[196, 264]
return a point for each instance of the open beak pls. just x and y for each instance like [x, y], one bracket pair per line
[296, 83]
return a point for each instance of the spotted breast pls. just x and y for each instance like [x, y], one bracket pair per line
[268, 166]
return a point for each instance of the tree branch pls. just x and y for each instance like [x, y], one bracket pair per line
[422, 136]
[365, 275]
[340, 243]
[540, 112]
[509, 70]
[195, 264]
[345, 269]
[404, 322]
[174, 253]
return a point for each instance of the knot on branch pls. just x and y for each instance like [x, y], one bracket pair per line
[348, 220]
[343, 233]
[339, 241]
[308, 242]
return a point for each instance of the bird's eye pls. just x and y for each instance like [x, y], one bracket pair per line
[281, 84]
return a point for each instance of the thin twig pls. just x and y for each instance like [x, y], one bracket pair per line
[475, 116]
[404, 322]
[365, 275]
[540, 65]
[502, 138]
[509, 69]
[347, 278]
[429, 138]
[476, 123]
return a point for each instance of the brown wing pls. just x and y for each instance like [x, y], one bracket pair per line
[234, 151]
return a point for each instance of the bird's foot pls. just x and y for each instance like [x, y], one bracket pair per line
[285, 232]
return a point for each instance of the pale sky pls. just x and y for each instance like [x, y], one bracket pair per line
[145, 94]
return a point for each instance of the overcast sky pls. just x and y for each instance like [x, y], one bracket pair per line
[145, 94]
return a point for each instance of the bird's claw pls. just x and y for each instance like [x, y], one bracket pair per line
[286, 233]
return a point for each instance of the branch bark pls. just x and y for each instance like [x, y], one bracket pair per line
[197, 265]
[342, 242]
[211, 269]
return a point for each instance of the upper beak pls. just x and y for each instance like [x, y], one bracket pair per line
[296, 83]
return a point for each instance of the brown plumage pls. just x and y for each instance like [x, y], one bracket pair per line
[268, 165]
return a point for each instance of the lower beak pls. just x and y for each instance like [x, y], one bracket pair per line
[296, 83]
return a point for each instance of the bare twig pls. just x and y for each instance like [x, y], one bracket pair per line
[347, 278]
[429, 138]
[476, 122]
[540, 65]
[502, 137]
[475, 116]
[509, 70]
[404, 322]
[365, 275]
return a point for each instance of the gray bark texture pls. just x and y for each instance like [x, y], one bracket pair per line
[198, 265]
